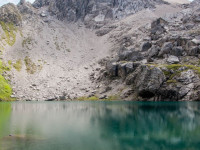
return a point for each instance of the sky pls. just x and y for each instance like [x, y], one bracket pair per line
[2, 2]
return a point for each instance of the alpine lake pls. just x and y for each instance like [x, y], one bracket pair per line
[99, 125]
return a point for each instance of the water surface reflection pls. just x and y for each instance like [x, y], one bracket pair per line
[100, 126]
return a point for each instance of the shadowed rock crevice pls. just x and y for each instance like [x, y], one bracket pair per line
[146, 94]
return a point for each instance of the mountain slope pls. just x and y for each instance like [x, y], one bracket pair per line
[74, 49]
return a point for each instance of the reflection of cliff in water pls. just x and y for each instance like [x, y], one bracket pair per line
[153, 125]
[112, 125]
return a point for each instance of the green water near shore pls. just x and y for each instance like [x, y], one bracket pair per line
[100, 126]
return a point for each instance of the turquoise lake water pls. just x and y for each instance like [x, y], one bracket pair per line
[100, 126]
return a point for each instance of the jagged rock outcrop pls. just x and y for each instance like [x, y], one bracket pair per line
[22, 2]
[146, 81]
[95, 12]
[10, 14]
[169, 67]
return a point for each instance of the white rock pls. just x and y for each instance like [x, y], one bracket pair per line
[196, 41]
[43, 14]
[173, 59]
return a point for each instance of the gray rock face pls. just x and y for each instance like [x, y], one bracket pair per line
[194, 51]
[126, 68]
[153, 52]
[177, 51]
[125, 55]
[95, 10]
[146, 80]
[157, 28]
[186, 77]
[145, 46]
[22, 2]
[10, 14]
[112, 69]
[166, 48]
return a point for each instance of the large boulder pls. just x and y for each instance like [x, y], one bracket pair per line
[158, 28]
[166, 48]
[183, 86]
[125, 55]
[145, 46]
[153, 52]
[130, 55]
[177, 51]
[186, 77]
[146, 81]
[126, 68]
[194, 51]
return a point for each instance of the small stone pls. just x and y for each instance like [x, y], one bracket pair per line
[103, 97]
[12, 96]
[43, 14]
[173, 59]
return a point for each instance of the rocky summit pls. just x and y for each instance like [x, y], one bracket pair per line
[100, 49]
[94, 12]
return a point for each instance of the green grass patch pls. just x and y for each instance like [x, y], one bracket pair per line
[9, 33]
[31, 67]
[5, 88]
[171, 81]
[84, 98]
[10, 62]
[175, 67]
[3, 67]
[173, 70]
[1, 48]
[113, 97]
[18, 65]
[95, 98]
